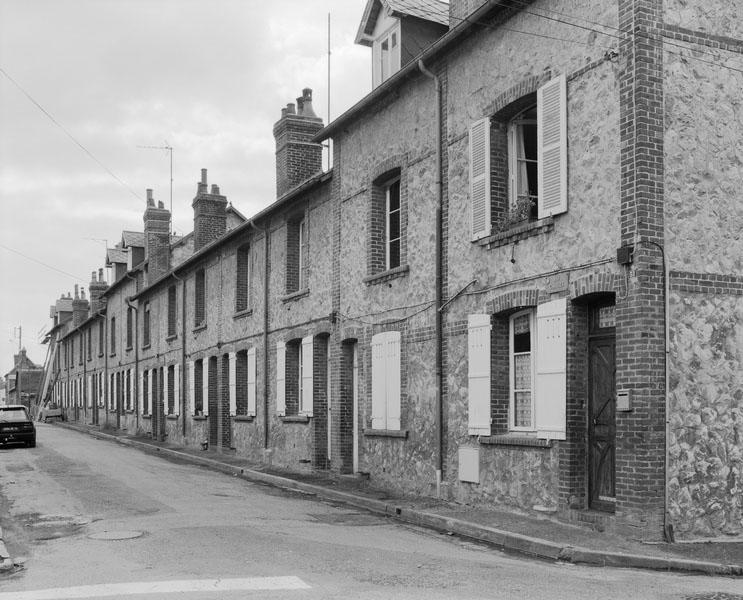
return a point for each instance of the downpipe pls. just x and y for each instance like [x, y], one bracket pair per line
[184, 391]
[439, 292]
[136, 359]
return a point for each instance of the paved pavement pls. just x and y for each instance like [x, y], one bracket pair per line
[539, 537]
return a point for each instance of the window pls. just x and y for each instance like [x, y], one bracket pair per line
[90, 344]
[100, 338]
[518, 161]
[128, 389]
[82, 349]
[386, 51]
[129, 326]
[171, 311]
[294, 377]
[242, 291]
[200, 298]
[112, 335]
[517, 372]
[146, 325]
[392, 225]
[146, 392]
[297, 243]
[170, 400]
[386, 380]
[198, 388]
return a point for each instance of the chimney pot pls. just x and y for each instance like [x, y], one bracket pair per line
[215, 189]
[82, 294]
[307, 103]
[300, 106]
[203, 176]
[100, 274]
[160, 204]
[290, 109]
[76, 294]
[92, 276]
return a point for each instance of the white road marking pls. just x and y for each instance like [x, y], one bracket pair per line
[159, 587]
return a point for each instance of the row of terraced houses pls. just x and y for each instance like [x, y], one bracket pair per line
[520, 283]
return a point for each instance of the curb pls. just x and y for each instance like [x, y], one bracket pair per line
[506, 540]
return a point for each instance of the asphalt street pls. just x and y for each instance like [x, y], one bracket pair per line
[87, 518]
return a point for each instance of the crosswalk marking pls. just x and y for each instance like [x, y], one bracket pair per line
[159, 587]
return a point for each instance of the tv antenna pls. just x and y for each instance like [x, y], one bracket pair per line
[169, 148]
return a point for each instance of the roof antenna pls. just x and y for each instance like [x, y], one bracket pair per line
[169, 148]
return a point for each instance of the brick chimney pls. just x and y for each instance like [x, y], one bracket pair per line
[156, 239]
[63, 306]
[79, 308]
[209, 214]
[96, 287]
[297, 158]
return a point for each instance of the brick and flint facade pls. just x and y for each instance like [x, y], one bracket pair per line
[535, 300]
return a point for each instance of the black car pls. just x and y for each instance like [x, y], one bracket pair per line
[16, 426]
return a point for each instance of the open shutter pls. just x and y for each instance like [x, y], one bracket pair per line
[205, 386]
[176, 389]
[379, 389]
[280, 379]
[478, 357]
[480, 178]
[251, 382]
[552, 153]
[551, 381]
[307, 377]
[191, 388]
[165, 390]
[140, 392]
[232, 382]
[393, 380]
[150, 399]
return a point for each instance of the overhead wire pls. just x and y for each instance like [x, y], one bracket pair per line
[42, 263]
[72, 137]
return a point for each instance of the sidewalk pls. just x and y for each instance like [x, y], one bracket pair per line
[538, 537]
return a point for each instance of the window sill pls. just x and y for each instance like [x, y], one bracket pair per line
[392, 433]
[296, 295]
[515, 440]
[146, 417]
[171, 417]
[170, 338]
[242, 313]
[199, 417]
[295, 419]
[517, 233]
[146, 347]
[387, 275]
[199, 327]
[244, 418]
[112, 354]
[128, 348]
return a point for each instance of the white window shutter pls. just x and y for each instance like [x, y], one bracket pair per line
[551, 380]
[176, 388]
[480, 178]
[150, 399]
[552, 153]
[251, 382]
[140, 392]
[307, 377]
[379, 388]
[393, 380]
[191, 388]
[280, 378]
[232, 382]
[205, 386]
[478, 357]
[165, 390]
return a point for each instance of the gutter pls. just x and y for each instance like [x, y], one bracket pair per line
[439, 290]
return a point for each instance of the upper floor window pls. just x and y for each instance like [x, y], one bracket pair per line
[82, 349]
[146, 324]
[387, 224]
[100, 338]
[297, 244]
[518, 161]
[90, 343]
[129, 326]
[242, 291]
[386, 53]
[200, 298]
[112, 335]
[172, 310]
[393, 224]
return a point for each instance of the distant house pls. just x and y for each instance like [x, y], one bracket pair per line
[23, 380]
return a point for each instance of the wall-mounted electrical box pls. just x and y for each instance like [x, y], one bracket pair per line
[624, 401]
[625, 254]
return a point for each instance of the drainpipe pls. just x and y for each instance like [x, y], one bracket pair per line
[136, 360]
[439, 291]
[184, 391]
[265, 330]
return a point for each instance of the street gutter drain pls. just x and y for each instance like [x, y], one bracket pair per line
[115, 535]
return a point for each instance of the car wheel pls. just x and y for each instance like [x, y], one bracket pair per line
[32, 444]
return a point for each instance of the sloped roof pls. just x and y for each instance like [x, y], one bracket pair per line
[132, 238]
[116, 255]
[429, 10]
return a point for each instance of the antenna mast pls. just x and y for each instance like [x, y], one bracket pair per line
[169, 148]
[328, 143]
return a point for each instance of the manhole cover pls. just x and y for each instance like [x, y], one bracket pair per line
[115, 535]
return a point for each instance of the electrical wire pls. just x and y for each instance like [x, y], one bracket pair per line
[425, 306]
[43, 264]
[69, 135]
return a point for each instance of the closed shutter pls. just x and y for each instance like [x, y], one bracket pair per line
[176, 389]
[478, 358]
[480, 178]
[232, 383]
[165, 390]
[89, 393]
[150, 399]
[393, 380]
[140, 392]
[191, 388]
[552, 148]
[280, 379]
[379, 390]
[551, 378]
[205, 386]
[251, 382]
[307, 377]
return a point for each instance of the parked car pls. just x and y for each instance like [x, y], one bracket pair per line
[16, 426]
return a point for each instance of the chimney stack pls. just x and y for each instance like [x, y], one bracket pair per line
[156, 239]
[96, 287]
[79, 308]
[209, 214]
[297, 159]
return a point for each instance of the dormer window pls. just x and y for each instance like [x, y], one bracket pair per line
[387, 50]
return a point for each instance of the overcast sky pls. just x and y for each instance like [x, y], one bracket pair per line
[209, 77]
